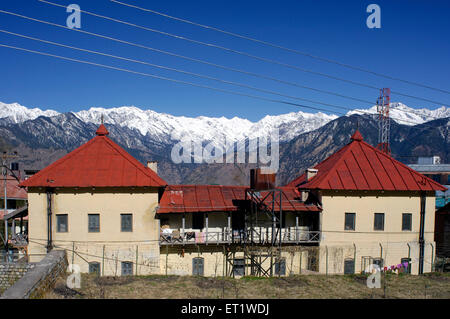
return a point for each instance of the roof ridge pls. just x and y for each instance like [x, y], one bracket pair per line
[403, 165]
[132, 160]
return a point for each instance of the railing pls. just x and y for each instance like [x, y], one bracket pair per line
[259, 236]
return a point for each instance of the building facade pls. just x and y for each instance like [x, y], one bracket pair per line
[116, 216]
[375, 210]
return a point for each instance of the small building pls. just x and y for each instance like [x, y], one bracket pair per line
[433, 168]
[375, 210]
[14, 219]
[442, 232]
[99, 203]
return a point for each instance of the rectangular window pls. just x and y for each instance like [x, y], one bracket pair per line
[197, 266]
[379, 262]
[127, 268]
[62, 223]
[280, 267]
[198, 220]
[94, 223]
[350, 221]
[349, 266]
[406, 221]
[406, 262]
[94, 268]
[238, 267]
[378, 221]
[126, 222]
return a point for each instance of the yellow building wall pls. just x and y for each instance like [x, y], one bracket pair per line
[337, 244]
[110, 246]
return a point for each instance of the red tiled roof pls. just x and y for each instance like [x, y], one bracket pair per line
[13, 191]
[98, 163]
[214, 198]
[360, 166]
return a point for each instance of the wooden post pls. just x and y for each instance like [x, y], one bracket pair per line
[103, 261]
[206, 237]
[167, 256]
[73, 254]
[301, 253]
[229, 231]
[183, 223]
[137, 256]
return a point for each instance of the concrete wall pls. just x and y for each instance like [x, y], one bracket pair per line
[90, 246]
[40, 278]
[178, 260]
[11, 272]
[340, 242]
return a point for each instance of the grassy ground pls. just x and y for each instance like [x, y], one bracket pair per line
[435, 285]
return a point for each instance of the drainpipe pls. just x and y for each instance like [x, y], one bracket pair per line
[432, 257]
[422, 231]
[49, 220]
[354, 258]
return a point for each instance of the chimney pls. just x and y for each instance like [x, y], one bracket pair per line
[310, 173]
[153, 165]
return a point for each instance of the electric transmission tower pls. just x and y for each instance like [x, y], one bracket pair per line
[384, 124]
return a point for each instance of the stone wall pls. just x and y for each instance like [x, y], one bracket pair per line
[40, 278]
[11, 272]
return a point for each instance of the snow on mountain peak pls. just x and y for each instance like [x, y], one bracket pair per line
[17, 113]
[168, 128]
[406, 115]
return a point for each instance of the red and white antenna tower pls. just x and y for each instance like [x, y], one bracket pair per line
[384, 124]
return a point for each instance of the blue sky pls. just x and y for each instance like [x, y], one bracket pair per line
[412, 44]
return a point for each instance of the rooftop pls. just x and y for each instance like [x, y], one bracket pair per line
[100, 162]
[218, 198]
[360, 166]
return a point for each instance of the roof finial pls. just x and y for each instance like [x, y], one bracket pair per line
[102, 118]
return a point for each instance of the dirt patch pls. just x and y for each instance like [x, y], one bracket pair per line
[289, 282]
[162, 279]
[113, 281]
[361, 279]
[212, 283]
[62, 290]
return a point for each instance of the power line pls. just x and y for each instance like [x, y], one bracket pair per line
[280, 47]
[185, 57]
[174, 69]
[175, 55]
[267, 60]
[185, 82]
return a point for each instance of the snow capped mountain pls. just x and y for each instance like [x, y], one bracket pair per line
[17, 113]
[405, 115]
[167, 129]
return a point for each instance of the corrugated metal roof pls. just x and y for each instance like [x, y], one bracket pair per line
[98, 163]
[218, 198]
[13, 191]
[360, 166]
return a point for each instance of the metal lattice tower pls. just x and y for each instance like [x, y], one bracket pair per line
[384, 124]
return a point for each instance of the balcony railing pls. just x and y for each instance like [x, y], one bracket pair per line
[259, 236]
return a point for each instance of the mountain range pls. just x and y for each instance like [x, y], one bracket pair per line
[42, 136]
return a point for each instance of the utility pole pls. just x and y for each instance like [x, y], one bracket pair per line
[5, 157]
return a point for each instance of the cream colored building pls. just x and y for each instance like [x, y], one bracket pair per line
[372, 207]
[116, 216]
[99, 203]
